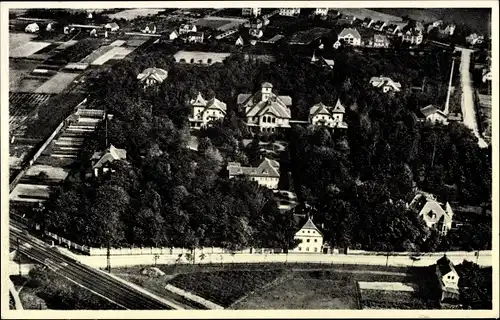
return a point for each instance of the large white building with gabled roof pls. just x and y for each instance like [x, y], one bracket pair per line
[327, 116]
[205, 111]
[265, 110]
[311, 238]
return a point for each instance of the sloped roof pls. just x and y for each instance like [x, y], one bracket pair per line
[267, 85]
[198, 101]
[273, 105]
[319, 108]
[215, 103]
[267, 168]
[445, 265]
[156, 73]
[348, 31]
[109, 155]
[381, 81]
[339, 108]
[379, 37]
[430, 109]
[309, 225]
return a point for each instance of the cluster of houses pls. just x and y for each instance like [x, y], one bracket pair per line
[187, 32]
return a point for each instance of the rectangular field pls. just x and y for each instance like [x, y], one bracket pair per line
[212, 23]
[57, 83]
[28, 85]
[110, 54]
[382, 299]
[303, 294]
[387, 286]
[361, 13]
[27, 49]
[134, 13]
[96, 54]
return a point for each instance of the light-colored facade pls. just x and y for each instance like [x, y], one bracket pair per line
[32, 28]
[101, 160]
[474, 39]
[431, 211]
[386, 84]
[448, 279]
[187, 28]
[289, 12]
[152, 76]
[413, 37]
[311, 238]
[434, 115]
[205, 111]
[487, 75]
[321, 11]
[350, 36]
[266, 174]
[326, 116]
[265, 110]
[379, 41]
[251, 11]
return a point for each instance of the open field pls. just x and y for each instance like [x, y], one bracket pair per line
[383, 299]
[212, 23]
[57, 83]
[18, 69]
[134, 13]
[17, 39]
[96, 54]
[307, 36]
[115, 51]
[295, 293]
[27, 49]
[29, 192]
[387, 286]
[29, 85]
[362, 13]
[54, 173]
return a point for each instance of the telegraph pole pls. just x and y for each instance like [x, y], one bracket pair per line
[19, 253]
[108, 258]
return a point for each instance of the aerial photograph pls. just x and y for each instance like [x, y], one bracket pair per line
[238, 158]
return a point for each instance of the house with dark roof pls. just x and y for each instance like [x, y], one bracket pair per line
[311, 238]
[431, 211]
[152, 76]
[379, 25]
[266, 110]
[327, 116]
[206, 111]
[101, 160]
[367, 22]
[386, 84]
[350, 36]
[266, 174]
[433, 114]
[392, 29]
[448, 279]
[378, 41]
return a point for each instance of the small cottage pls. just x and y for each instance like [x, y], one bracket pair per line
[448, 279]
[386, 84]
[32, 28]
[266, 174]
[152, 76]
[101, 161]
[311, 238]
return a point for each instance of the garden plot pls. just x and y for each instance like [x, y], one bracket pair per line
[57, 83]
[118, 43]
[53, 173]
[27, 49]
[30, 193]
[28, 85]
[135, 42]
[18, 39]
[96, 54]
[119, 52]
[66, 45]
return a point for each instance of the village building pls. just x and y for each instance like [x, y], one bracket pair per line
[152, 76]
[412, 36]
[149, 29]
[326, 116]
[474, 39]
[449, 30]
[173, 35]
[256, 33]
[378, 41]
[392, 29]
[448, 279]
[206, 111]
[311, 238]
[321, 11]
[289, 12]
[265, 110]
[367, 22]
[346, 20]
[350, 36]
[187, 28]
[285, 199]
[113, 27]
[239, 41]
[101, 161]
[195, 37]
[251, 11]
[434, 24]
[379, 25]
[433, 114]
[32, 28]
[431, 211]
[200, 57]
[386, 84]
[266, 174]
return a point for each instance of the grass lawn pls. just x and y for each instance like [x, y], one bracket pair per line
[303, 293]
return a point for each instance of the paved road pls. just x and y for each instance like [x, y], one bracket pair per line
[468, 108]
[94, 280]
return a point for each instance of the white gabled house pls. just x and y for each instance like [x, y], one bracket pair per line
[113, 27]
[321, 11]
[205, 111]
[326, 116]
[239, 41]
[311, 238]
[187, 28]
[32, 28]
[152, 76]
[265, 110]
[350, 36]
[432, 213]
[386, 84]
[266, 174]
[448, 279]
[250, 11]
[101, 161]
[289, 12]
[434, 115]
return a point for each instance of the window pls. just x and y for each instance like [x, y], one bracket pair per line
[315, 240]
[309, 239]
[192, 61]
[315, 249]
[182, 60]
[307, 248]
[449, 277]
[300, 249]
[209, 61]
[308, 231]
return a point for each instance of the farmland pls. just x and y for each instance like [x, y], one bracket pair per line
[134, 13]
[362, 13]
[57, 83]
[27, 49]
[212, 23]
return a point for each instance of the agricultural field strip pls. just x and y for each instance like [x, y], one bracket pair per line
[27, 49]
[388, 286]
[96, 54]
[134, 13]
[57, 83]
[115, 51]
[17, 39]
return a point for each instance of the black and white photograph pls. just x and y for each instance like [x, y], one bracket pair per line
[193, 156]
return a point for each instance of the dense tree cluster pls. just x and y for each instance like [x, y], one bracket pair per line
[358, 180]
